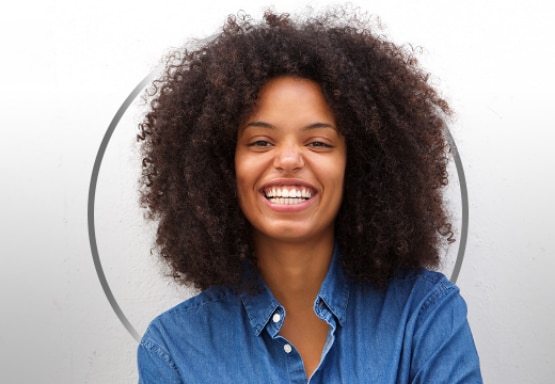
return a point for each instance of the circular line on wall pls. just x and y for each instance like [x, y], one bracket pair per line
[92, 194]
[464, 208]
[94, 179]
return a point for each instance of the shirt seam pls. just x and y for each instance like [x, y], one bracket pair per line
[197, 302]
[438, 293]
[151, 346]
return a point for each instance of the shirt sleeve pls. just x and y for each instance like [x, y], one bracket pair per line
[443, 347]
[155, 364]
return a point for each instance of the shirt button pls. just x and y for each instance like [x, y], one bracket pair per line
[287, 348]
[276, 318]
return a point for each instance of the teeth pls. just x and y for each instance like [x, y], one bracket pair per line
[288, 195]
[286, 200]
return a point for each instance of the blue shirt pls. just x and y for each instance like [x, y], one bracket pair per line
[413, 331]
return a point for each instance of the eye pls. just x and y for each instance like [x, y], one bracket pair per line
[319, 144]
[259, 143]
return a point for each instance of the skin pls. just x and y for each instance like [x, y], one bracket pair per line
[291, 142]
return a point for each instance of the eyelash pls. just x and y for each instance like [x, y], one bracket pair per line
[264, 143]
[259, 143]
[320, 144]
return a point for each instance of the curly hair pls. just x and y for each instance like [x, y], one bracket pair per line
[393, 215]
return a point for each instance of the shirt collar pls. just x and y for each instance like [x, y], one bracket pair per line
[334, 292]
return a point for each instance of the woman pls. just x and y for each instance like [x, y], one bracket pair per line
[295, 169]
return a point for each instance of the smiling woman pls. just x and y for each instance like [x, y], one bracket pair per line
[290, 164]
[295, 170]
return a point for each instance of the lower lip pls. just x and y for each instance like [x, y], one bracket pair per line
[288, 208]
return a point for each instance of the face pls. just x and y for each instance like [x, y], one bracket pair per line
[290, 163]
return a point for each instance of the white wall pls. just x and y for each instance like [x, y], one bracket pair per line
[67, 66]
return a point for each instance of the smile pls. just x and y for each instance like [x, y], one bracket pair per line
[287, 195]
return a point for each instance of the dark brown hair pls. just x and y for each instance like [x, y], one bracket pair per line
[394, 122]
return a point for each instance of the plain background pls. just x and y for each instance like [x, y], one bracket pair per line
[67, 66]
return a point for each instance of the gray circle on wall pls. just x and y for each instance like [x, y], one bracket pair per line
[94, 179]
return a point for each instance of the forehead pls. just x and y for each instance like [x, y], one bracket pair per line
[291, 98]
[289, 86]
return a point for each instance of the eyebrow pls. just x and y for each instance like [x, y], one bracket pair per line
[261, 124]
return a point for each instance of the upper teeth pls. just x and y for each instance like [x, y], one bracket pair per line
[288, 192]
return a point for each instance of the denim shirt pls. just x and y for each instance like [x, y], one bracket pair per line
[413, 331]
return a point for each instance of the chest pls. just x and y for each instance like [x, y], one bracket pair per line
[348, 355]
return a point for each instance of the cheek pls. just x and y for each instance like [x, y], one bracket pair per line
[245, 180]
[335, 169]
[339, 179]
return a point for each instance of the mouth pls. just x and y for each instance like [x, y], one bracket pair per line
[288, 195]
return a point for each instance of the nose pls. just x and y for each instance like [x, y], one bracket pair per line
[288, 158]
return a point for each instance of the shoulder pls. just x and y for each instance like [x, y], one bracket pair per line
[171, 342]
[428, 289]
[436, 321]
[426, 295]
[420, 276]
[201, 312]
[205, 300]
[412, 294]
[421, 283]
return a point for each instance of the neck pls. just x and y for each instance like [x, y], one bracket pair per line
[294, 272]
